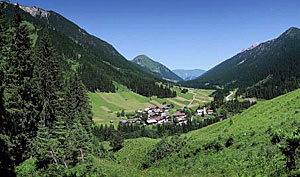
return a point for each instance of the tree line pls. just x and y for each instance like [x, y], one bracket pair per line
[128, 131]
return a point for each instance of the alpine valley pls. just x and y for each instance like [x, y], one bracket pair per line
[72, 105]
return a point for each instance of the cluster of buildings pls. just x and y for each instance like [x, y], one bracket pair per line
[155, 115]
[204, 111]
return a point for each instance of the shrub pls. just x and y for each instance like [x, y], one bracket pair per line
[214, 145]
[116, 141]
[290, 148]
[184, 91]
[229, 142]
[163, 149]
[27, 168]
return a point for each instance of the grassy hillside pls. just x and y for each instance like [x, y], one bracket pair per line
[251, 154]
[106, 105]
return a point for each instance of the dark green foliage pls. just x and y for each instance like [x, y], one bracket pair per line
[122, 113]
[236, 106]
[231, 106]
[229, 142]
[289, 145]
[116, 141]
[66, 117]
[78, 102]
[29, 169]
[6, 160]
[49, 74]
[166, 147]
[103, 132]
[184, 91]
[44, 112]
[214, 145]
[19, 92]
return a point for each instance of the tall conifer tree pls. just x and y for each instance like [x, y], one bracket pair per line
[19, 103]
[49, 73]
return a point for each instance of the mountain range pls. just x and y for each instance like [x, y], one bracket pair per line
[155, 68]
[265, 70]
[189, 74]
[98, 63]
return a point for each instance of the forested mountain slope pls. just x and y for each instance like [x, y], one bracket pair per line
[155, 68]
[98, 63]
[269, 69]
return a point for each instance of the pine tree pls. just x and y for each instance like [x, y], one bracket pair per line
[82, 142]
[3, 56]
[19, 103]
[49, 73]
[41, 145]
[78, 103]
[116, 141]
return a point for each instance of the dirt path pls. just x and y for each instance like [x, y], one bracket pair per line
[156, 103]
[104, 108]
[192, 100]
[98, 119]
[181, 98]
[104, 97]
[175, 102]
[228, 97]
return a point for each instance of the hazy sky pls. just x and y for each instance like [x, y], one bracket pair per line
[182, 34]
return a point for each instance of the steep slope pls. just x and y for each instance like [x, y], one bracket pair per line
[250, 154]
[272, 67]
[155, 68]
[98, 63]
[189, 74]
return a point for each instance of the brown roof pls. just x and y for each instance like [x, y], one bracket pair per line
[178, 114]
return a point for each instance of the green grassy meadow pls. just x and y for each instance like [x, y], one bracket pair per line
[106, 105]
[251, 154]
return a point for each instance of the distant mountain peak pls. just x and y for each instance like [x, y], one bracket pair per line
[143, 60]
[189, 74]
[155, 68]
[291, 31]
[142, 56]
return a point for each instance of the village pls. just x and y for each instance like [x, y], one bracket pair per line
[159, 115]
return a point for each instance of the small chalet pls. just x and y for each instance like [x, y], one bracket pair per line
[210, 112]
[179, 114]
[151, 121]
[124, 122]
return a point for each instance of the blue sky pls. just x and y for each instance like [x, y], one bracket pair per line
[182, 34]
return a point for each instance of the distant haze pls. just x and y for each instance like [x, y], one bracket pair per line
[189, 74]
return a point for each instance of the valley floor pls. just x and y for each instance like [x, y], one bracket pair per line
[106, 105]
[250, 154]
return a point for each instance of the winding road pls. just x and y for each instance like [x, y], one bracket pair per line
[228, 97]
